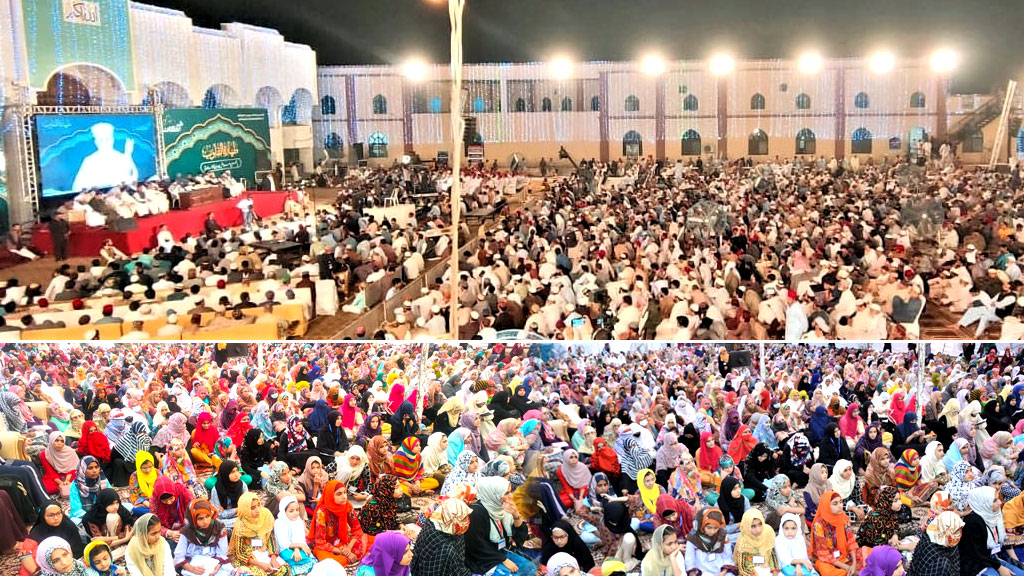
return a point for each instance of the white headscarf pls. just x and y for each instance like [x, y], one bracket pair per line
[931, 467]
[841, 485]
[980, 501]
[288, 532]
[790, 549]
[491, 491]
[433, 456]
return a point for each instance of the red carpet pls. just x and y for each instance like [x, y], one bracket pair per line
[86, 242]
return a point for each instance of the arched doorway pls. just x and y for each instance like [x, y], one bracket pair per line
[757, 143]
[914, 136]
[268, 97]
[632, 144]
[83, 85]
[170, 94]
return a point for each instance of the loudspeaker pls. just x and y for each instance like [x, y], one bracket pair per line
[469, 132]
[739, 359]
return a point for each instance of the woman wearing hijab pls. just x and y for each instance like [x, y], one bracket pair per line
[758, 469]
[961, 482]
[755, 548]
[448, 416]
[878, 474]
[54, 559]
[203, 543]
[908, 436]
[141, 483]
[466, 471]
[227, 491]
[441, 546]
[95, 444]
[866, 445]
[52, 522]
[816, 428]
[294, 445]
[833, 446]
[495, 528]
[355, 474]
[797, 455]
[742, 443]
[369, 430]
[938, 553]
[907, 477]
[290, 533]
[404, 423]
[966, 431]
[732, 503]
[390, 555]
[932, 467]
[575, 479]
[89, 480]
[179, 469]
[312, 481]
[708, 552]
[833, 547]
[332, 441]
[108, 520]
[791, 547]
[664, 557]
[132, 439]
[204, 443]
[334, 531]
[378, 515]
[60, 464]
[882, 561]
[817, 484]
[984, 533]
[148, 554]
[379, 455]
[883, 522]
[252, 543]
[254, 454]
[708, 456]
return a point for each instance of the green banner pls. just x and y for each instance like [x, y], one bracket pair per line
[61, 33]
[200, 140]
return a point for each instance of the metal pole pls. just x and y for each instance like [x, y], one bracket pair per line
[455, 8]
[420, 398]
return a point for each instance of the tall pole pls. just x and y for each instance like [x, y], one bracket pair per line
[455, 8]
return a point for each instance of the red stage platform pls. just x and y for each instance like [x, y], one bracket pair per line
[86, 242]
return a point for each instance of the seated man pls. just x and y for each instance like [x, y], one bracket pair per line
[234, 187]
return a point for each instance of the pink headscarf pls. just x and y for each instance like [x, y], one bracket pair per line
[348, 413]
[849, 422]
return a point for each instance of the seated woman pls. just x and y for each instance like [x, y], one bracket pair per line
[290, 533]
[253, 546]
[202, 549]
[833, 446]
[932, 467]
[204, 443]
[148, 553]
[961, 482]
[178, 468]
[435, 457]
[846, 484]
[60, 464]
[466, 471]
[794, 460]
[664, 558]
[356, 476]
[351, 416]
[52, 522]
[937, 552]
[507, 440]
[378, 514]
[817, 484]
[907, 477]
[562, 538]
[791, 547]
[575, 479]
[132, 439]
[883, 561]
[332, 441]
[832, 542]
[882, 525]
[404, 423]
[141, 483]
[334, 529]
[708, 457]
[684, 482]
[170, 503]
[408, 468]
[780, 501]
[54, 558]
[280, 484]
[227, 491]
[440, 547]
[754, 552]
[758, 471]
[984, 534]
[391, 549]
[732, 503]
[708, 552]
[100, 562]
[254, 454]
[495, 527]
[312, 482]
[88, 482]
[109, 521]
[878, 474]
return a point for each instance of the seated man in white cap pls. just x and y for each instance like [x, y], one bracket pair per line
[436, 321]
[358, 304]
[984, 309]
[170, 330]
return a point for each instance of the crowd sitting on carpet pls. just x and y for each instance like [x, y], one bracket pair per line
[795, 250]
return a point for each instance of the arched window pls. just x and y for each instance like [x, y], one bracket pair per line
[289, 114]
[333, 141]
[691, 143]
[632, 103]
[691, 104]
[917, 100]
[632, 144]
[805, 142]
[861, 141]
[757, 143]
[757, 102]
[520, 105]
[803, 102]
[378, 145]
[895, 144]
[328, 106]
[861, 100]
[975, 142]
[210, 99]
[380, 105]
[595, 104]
[435, 105]
[545, 104]
[479, 105]
[566, 104]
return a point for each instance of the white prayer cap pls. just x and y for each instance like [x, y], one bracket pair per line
[435, 309]
[474, 315]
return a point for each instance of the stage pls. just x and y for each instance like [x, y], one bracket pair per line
[86, 242]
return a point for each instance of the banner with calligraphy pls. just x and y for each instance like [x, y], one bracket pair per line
[78, 33]
[201, 140]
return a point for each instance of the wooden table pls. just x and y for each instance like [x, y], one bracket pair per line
[287, 252]
[201, 196]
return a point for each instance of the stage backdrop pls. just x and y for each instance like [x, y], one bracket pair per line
[84, 151]
[200, 140]
[59, 33]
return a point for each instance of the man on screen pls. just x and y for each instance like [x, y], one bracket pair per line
[106, 166]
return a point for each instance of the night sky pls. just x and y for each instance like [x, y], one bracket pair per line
[988, 34]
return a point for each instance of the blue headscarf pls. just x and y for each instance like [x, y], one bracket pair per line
[816, 428]
[318, 417]
[953, 454]
[456, 445]
[764, 434]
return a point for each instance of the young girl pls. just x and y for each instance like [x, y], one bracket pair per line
[60, 463]
[170, 504]
[378, 515]
[253, 546]
[664, 557]
[204, 443]
[52, 522]
[108, 521]
[148, 552]
[55, 559]
[99, 561]
[754, 553]
[390, 555]
[88, 482]
[791, 548]
[141, 483]
[357, 476]
[312, 482]
[202, 549]
[708, 553]
[290, 532]
[781, 501]
[227, 490]
[334, 529]
[178, 467]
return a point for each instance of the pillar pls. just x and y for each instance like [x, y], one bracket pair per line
[603, 116]
[659, 118]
